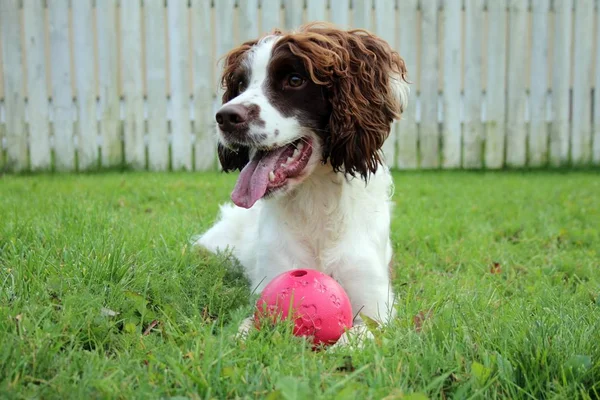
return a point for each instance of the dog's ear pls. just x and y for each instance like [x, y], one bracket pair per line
[232, 159]
[365, 84]
[231, 65]
[365, 103]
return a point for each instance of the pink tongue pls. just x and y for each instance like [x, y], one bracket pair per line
[254, 178]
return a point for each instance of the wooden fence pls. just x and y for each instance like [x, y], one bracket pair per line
[102, 83]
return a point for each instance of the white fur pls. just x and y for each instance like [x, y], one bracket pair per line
[288, 127]
[325, 221]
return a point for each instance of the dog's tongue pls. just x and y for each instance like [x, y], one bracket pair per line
[253, 181]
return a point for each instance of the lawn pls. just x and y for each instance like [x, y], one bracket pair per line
[101, 296]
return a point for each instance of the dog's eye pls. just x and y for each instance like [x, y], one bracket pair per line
[241, 86]
[295, 80]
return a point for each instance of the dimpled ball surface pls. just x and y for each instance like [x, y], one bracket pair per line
[320, 306]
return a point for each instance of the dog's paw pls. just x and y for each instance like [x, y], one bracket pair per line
[354, 338]
[244, 328]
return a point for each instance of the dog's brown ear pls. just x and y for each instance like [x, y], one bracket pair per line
[366, 86]
[232, 159]
[232, 61]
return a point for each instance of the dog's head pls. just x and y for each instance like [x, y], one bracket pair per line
[293, 100]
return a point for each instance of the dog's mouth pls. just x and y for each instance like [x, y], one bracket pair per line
[270, 170]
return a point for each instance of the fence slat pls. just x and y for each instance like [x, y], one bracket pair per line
[108, 84]
[204, 125]
[561, 70]
[385, 23]
[473, 126]
[362, 13]
[581, 133]
[86, 94]
[156, 73]
[495, 85]
[37, 93]
[428, 133]
[131, 56]
[270, 15]
[515, 128]
[315, 10]
[538, 132]
[62, 95]
[407, 129]
[14, 102]
[223, 35]
[2, 135]
[293, 13]
[596, 138]
[179, 72]
[248, 20]
[451, 131]
[339, 13]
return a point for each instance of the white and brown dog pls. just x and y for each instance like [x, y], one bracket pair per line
[304, 118]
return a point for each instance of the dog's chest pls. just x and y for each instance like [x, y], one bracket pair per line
[310, 240]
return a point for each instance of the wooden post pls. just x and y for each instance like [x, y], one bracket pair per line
[581, 128]
[538, 132]
[428, 132]
[561, 71]
[204, 125]
[179, 73]
[62, 94]
[451, 131]
[108, 84]
[131, 66]
[156, 76]
[87, 126]
[385, 24]
[37, 93]
[407, 128]
[516, 134]
[495, 128]
[473, 126]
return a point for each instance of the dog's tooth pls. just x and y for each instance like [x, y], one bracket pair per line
[300, 146]
[289, 160]
[272, 176]
[296, 154]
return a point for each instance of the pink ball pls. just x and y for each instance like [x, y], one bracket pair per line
[320, 307]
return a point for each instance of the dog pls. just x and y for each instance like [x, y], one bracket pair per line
[304, 117]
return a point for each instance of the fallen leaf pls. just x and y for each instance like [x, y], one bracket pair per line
[495, 268]
[420, 319]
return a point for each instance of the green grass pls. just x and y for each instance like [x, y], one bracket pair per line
[101, 296]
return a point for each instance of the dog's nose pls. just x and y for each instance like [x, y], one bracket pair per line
[231, 117]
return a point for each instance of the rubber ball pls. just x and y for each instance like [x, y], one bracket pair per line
[318, 305]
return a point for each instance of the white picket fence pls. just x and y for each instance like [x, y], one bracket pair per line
[103, 83]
